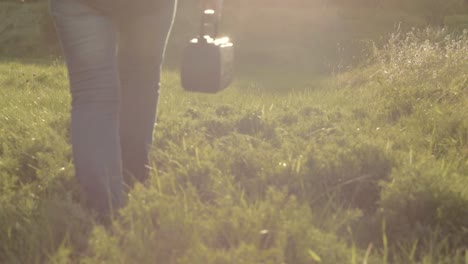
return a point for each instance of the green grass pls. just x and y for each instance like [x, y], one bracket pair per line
[366, 166]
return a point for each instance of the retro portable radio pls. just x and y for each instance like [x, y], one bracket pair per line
[208, 60]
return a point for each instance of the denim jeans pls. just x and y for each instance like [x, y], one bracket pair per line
[114, 66]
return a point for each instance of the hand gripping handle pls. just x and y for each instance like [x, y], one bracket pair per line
[210, 19]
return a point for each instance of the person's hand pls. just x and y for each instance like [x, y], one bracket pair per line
[215, 5]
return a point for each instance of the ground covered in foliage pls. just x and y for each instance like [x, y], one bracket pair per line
[366, 166]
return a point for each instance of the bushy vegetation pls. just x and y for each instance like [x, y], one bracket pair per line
[26, 30]
[367, 166]
[420, 85]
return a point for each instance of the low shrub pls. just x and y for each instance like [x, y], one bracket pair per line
[426, 197]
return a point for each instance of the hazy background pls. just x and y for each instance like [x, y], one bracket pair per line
[312, 36]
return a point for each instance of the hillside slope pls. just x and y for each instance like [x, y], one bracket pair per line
[257, 174]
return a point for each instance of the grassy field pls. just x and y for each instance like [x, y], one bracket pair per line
[368, 165]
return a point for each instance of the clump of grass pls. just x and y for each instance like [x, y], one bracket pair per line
[177, 227]
[417, 84]
[413, 72]
[429, 57]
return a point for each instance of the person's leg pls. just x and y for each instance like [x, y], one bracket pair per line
[141, 50]
[89, 42]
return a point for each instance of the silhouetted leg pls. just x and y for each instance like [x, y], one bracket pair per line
[89, 44]
[141, 51]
